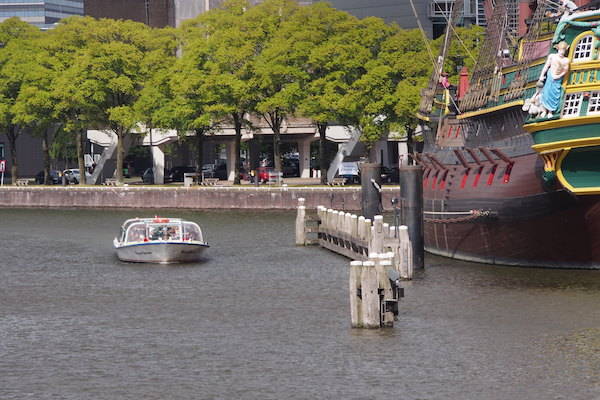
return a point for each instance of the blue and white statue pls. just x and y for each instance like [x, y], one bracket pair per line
[546, 100]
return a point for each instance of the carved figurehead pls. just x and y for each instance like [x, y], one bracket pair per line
[546, 100]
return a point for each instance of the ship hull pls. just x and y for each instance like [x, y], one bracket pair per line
[562, 239]
[494, 214]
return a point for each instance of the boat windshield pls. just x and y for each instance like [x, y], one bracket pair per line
[191, 232]
[164, 231]
[137, 233]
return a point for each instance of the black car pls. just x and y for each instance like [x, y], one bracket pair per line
[390, 175]
[176, 173]
[54, 177]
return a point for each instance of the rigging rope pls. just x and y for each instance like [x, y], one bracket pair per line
[423, 33]
[451, 25]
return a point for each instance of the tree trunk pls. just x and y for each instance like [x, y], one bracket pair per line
[372, 154]
[237, 121]
[322, 140]
[410, 145]
[276, 127]
[199, 150]
[80, 158]
[13, 134]
[120, 156]
[46, 157]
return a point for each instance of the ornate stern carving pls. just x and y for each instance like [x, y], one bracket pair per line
[550, 160]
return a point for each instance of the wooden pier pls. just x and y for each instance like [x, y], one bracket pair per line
[355, 237]
[381, 254]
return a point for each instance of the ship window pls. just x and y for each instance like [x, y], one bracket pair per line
[583, 51]
[594, 104]
[572, 105]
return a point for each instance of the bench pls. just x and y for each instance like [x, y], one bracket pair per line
[24, 181]
[337, 182]
[110, 182]
[209, 181]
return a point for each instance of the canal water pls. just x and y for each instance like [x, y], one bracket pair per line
[263, 319]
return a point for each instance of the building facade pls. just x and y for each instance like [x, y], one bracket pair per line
[42, 13]
[156, 13]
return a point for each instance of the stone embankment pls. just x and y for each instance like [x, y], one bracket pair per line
[224, 197]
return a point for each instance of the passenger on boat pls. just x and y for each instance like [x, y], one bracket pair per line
[157, 233]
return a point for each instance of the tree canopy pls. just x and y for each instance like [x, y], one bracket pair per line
[276, 60]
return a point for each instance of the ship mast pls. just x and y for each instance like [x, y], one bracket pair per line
[487, 77]
[428, 94]
[529, 50]
[487, 67]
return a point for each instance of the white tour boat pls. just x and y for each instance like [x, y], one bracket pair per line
[159, 240]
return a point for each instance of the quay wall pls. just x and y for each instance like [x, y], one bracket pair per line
[262, 198]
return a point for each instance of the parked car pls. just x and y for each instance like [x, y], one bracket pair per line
[390, 175]
[290, 167]
[54, 176]
[263, 173]
[148, 176]
[72, 175]
[215, 171]
[175, 174]
[350, 171]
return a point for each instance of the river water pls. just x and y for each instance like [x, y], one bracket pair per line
[263, 319]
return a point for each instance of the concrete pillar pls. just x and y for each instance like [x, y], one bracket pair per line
[304, 157]
[231, 160]
[411, 196]
[159, 165]
[371, 183]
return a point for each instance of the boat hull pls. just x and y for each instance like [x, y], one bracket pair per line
[518, 221]
[162, 253]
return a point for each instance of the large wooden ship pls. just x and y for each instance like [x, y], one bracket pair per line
[512, 164]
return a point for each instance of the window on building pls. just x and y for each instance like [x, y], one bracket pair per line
[583, 50]
[572, 105]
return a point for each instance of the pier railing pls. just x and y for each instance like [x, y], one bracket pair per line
[355, 237]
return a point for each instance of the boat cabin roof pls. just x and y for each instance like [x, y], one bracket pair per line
[158, 226]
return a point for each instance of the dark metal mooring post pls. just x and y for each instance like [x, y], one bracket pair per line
[411, 195]
[370, 177]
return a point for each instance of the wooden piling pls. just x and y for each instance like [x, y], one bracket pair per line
[405, 254]
[377, 238]
[383, 262]
[301, 223]
[370, 309]
[355, 294]
[374, 294]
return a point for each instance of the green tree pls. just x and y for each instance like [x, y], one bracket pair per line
[277, 74]
[75, 95]
[463, 51]
[366, 82]
[406, 54]
[155, 105]
[34, 107]
[17, 68]
[106, 75]
[223, 45]
[321, 59]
